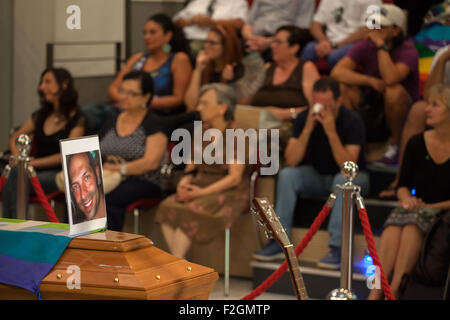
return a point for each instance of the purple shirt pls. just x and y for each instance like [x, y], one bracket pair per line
[365, 54]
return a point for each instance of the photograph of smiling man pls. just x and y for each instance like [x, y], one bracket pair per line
[83, 177]
[86, 188]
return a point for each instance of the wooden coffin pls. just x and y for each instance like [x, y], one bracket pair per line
[115, 265]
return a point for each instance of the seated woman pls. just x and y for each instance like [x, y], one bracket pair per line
[167, 61]
[210, 196]
[423, 191]
[221, 53]
[289, 80]
[137, 136]
[59, 117]
[415, 121]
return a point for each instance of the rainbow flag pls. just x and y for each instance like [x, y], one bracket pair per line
[26, 254]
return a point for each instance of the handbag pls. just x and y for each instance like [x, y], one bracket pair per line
[170, 175]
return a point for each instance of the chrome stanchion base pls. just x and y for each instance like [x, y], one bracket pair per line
[341, 294]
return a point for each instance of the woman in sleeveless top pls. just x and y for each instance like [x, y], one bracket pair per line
[58, 118]
[166, 60]
[288, 86]
[221, 53]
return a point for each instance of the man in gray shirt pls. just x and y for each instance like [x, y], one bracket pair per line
[266, 16]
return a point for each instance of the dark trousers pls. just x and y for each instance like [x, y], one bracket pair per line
[129, 191]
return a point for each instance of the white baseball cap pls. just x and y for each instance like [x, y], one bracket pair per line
[391, 15]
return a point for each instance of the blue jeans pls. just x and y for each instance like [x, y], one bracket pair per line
[337, 54]
[9, 192]
[306, 180]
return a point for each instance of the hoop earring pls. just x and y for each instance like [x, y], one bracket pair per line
[167, 48]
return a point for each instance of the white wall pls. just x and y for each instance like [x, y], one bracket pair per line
[38, 22]
[6, 58]
[33, 28]
[101, 20]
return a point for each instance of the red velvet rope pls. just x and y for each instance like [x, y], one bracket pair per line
[298, 250]
[307, 238]
[2, 182]
[43, 199]
[373, 252]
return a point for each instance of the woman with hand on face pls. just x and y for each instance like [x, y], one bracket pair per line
[138, 137]
[215, 63]
[289, 80]
[166, 60]
[210, 196]
[423, 191]
[58, 118]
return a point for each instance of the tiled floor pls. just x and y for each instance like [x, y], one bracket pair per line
[239, 288]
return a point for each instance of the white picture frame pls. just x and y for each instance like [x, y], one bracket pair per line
[83, 181]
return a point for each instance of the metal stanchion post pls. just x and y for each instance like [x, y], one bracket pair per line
[23, 143]
[347, 245]
[349, 171]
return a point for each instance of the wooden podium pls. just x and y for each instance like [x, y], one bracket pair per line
[115, 265]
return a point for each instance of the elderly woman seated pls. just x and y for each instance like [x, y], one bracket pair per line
[287, 88]
[289, 80]
[210, 196]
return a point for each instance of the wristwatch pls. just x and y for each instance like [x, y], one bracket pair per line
[293, 113]
[383, 47]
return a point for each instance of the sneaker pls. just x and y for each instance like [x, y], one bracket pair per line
[332, 260]
[390, 157]
[270, 252]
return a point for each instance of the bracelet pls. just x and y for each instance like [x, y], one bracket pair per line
[123, 170]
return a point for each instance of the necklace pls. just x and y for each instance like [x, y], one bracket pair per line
[57, 118]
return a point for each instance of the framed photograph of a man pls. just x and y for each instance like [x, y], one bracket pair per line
[83, 178]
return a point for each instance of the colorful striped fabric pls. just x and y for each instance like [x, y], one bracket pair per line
[26, 257]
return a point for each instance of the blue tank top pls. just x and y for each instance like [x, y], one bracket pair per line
[162, 77]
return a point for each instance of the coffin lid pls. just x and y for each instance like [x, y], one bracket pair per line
[110, 241]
